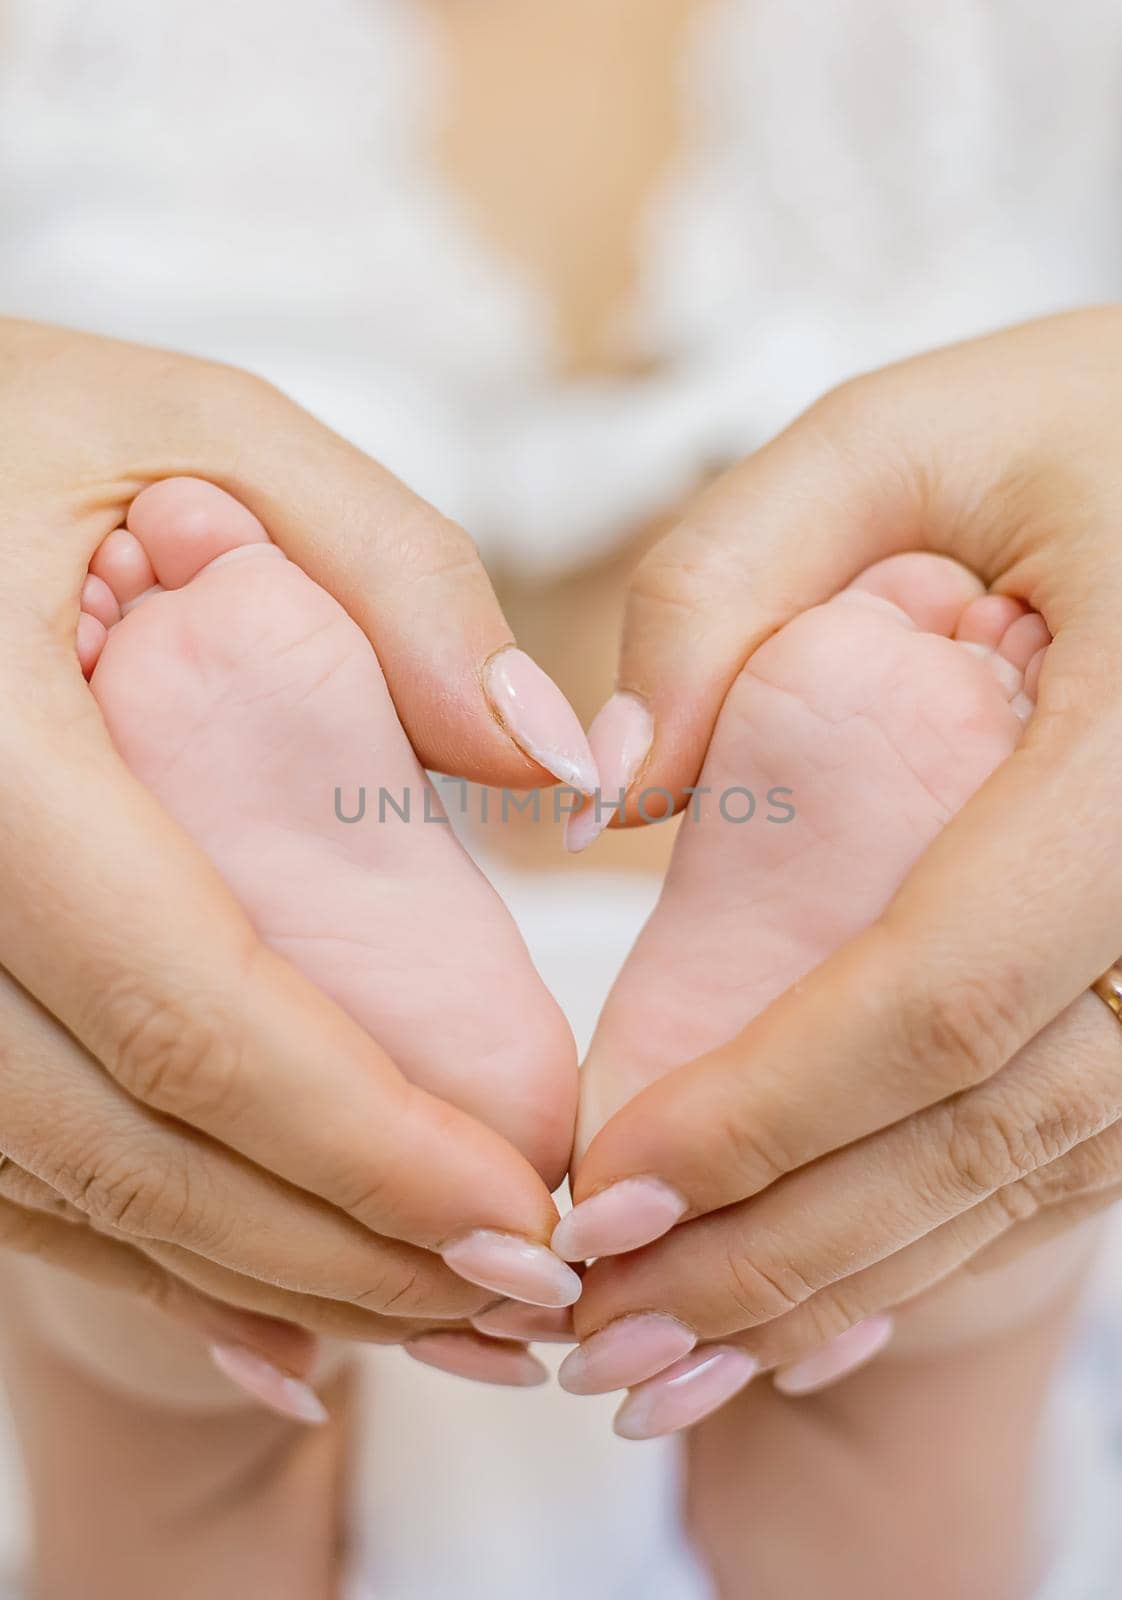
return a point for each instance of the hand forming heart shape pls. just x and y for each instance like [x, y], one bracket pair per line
[328, 1193]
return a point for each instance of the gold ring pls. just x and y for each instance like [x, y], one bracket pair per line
[1109, 989]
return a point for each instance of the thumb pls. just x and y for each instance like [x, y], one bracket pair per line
[472, 704]
[781, 531]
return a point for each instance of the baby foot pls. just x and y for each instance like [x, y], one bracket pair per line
[846, 744]
[859, 729]
[244, 697]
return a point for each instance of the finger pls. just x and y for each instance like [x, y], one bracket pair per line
[455, 1346]
[240, 1320]
[1078, 1187]
[759, 1260]
[1041, 1230]
[112, 1264]
[115, 1162]
[484, 1360]
[862, 475]
[844, 1324]
[1047, 1205]
[195, 1018]
[960, 972]
[779, 533]
[331, 1319]
[947, 1285]
[883, 1287]
[510, 1320]
[22, 1188]
[411, 578]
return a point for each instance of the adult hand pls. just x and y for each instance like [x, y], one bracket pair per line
[162, 1074]
[944, 1078]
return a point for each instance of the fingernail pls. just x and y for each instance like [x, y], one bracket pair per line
[513, 1319]
[274, 1388]
[625, 1352]
[629, 1214]
[539, 719]
[620, 738]
[477, 1358]
[688, 1391]
[513, 1266]
[842, 1355]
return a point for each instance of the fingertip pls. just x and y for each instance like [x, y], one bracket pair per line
[536, 715]
[259, 1377]
[621, 738]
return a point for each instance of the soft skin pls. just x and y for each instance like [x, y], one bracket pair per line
[111, 1003]
[1002, 453]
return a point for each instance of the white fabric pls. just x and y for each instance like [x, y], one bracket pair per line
[859, 180]
[248, 182]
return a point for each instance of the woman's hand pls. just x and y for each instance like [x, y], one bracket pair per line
[163, 1076]
[944, 1079]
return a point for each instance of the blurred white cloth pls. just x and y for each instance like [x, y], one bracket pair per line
[857, 181]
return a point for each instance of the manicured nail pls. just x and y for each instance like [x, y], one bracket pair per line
[625, 1353]
[513, 1266]
[274, 1388]
[629, 1214]
[688, 1391]
[620, 737]
[480, 1359]
[513, 1319]
[841, 1356]
[539, 719]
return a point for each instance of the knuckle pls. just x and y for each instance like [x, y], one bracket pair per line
[988, 1147]
[369, 1196]
[959, 1031]
[406, 1290]
[1090, 1166]
[824, 1317]
[435, 548]
[839, 411]
[760, 1290]
[176, 1057]
[993, 1143]
[756, 1157]
[204, 401]
[396, 1293]
[980, 1153]
[683, 576]
[128, 1194]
